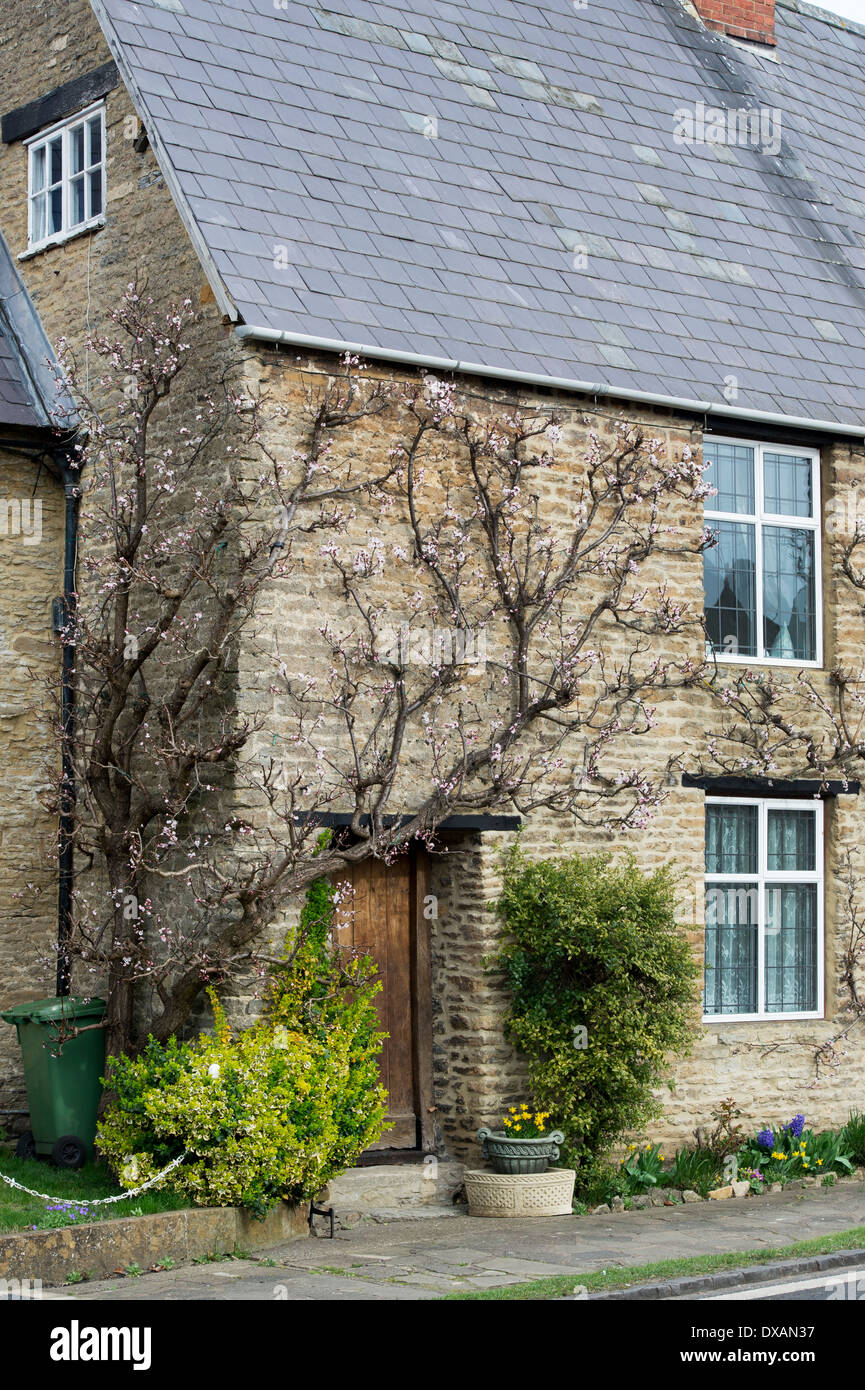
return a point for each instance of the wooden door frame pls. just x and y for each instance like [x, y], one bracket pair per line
[421, 999]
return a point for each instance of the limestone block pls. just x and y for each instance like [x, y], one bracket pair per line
[387, 1186]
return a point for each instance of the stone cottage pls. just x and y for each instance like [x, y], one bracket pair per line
[632, 209]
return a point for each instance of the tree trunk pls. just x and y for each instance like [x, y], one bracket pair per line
[119, 1016]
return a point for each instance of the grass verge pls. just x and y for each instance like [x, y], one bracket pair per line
[561, 1285]
[18, 1212]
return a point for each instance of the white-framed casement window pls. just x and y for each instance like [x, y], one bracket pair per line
[764, 909]
[67, 178]
[762, 577]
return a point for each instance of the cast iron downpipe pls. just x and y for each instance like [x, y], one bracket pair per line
[67, 726]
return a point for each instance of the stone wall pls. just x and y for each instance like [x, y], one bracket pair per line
[475, 1070]
[31, 575]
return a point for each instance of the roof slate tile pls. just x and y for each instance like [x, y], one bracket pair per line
[417, 219]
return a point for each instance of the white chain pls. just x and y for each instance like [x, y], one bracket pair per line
[97, 1201]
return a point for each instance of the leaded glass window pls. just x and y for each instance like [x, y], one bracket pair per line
[764, 899]
[761, 576]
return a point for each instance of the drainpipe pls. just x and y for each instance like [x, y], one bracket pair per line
[586, 388]
[63, 615]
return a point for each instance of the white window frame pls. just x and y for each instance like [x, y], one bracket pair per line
[64, 128]
[764, 878]
[760, 518]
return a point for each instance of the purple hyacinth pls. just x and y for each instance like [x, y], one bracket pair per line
[796, 1125]
[766, 1139]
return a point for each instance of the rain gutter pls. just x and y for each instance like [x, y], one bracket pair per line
[588, 388]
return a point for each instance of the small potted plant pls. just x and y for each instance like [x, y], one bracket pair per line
[523, 1144]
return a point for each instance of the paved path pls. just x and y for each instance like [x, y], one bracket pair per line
[422, 1259]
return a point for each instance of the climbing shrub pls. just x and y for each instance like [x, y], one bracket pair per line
[274, 1111]
[603, 992]
[326, 993]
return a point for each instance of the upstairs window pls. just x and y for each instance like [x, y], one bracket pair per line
[67, 178]
[764, 909]
[762, 577]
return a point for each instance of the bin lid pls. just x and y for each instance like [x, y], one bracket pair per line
[53, 1010]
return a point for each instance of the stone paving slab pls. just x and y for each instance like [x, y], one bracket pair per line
[493, 1281]
[526, 1269]
[430, 1280]
[424, 1260]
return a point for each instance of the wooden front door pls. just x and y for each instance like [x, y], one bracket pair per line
[388, 924]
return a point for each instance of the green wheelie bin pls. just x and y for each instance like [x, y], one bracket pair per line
[63, 1082]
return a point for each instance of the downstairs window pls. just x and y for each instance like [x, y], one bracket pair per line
[764, 909]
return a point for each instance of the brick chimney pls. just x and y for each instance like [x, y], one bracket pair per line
[741, 19]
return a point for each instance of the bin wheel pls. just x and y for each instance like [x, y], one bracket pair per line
[26, 1146]
[68, 1152]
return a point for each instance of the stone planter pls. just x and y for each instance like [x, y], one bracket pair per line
[520, 1194]
[509, 1155]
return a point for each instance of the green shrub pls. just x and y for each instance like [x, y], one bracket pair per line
[642, 1169]
[603, 991]
[326, 993]
[853, 1137]
[599, 1181]
[274, 1111]
[828, 1151]
[696, 1170]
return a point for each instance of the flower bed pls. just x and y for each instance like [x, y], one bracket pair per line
[725, 1163]
[674, 1196]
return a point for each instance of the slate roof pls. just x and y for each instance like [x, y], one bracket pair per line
[25, 393]
[500, 184]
